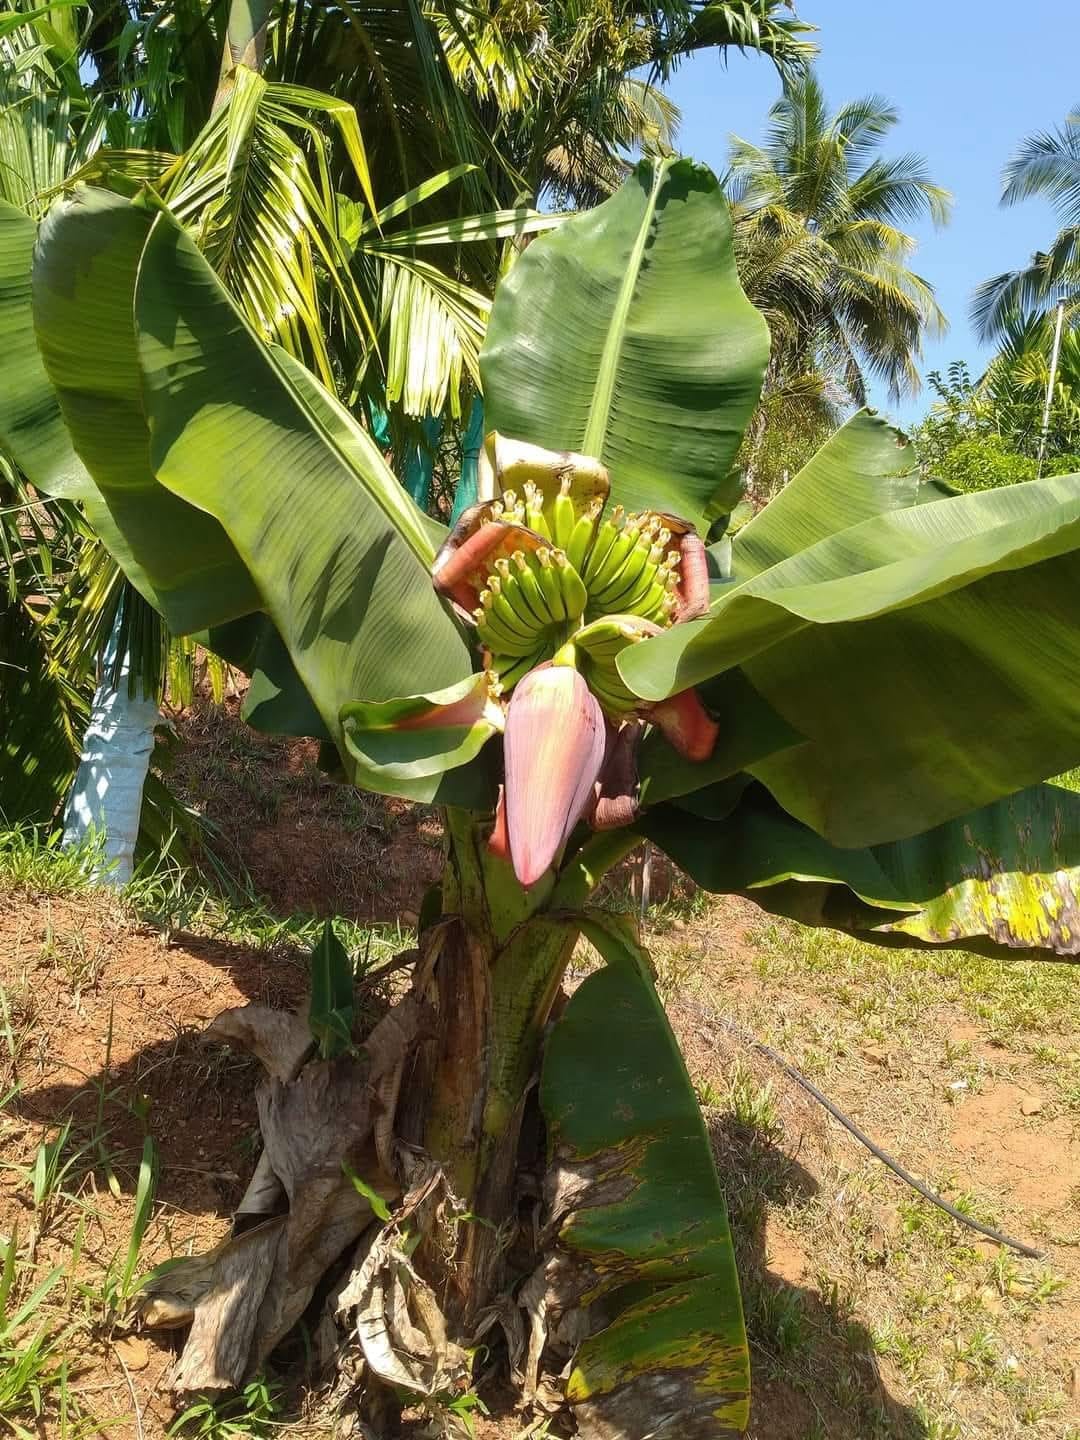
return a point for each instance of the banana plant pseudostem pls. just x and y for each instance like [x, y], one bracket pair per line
[846, 712]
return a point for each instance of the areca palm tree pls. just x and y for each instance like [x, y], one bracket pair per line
[822, 244]
[1048, 164]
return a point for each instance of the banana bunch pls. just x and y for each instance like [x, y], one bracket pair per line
[537, 565]
[596, 648]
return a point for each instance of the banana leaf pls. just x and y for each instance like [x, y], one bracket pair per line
[647, 1235]
[998, 881]
[239, 482]
[625, 335]
[924, 653]
[31, 427]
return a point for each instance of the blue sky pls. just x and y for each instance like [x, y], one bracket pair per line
[969, 80]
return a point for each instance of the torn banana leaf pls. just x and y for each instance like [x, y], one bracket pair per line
[645, 1238]
[1003, 880]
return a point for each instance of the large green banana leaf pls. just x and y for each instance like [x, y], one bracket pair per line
[177, 557]
[647, 1229]
[237, 481]
[625, 334]
[867, 468]
[1000, 880]
[31, 427]
[927, 654]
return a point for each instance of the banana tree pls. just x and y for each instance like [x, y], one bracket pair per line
[835, 712]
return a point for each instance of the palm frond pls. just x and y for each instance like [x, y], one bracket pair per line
[1048, 163]
[899, 189]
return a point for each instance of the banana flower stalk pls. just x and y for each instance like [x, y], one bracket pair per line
[556, 587]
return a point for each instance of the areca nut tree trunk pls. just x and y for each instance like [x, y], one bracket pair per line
[846, 712]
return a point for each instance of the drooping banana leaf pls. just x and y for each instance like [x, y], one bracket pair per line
[647, 1232]
[31, 427]
[302, 519]
[926, 654]
[998, 881]
[178, 557]
[625, 335]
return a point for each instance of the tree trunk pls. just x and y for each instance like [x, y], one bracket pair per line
[106, 796]
[500, 961]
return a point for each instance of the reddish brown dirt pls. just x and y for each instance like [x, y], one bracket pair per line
[106, 1016]
[308, 843]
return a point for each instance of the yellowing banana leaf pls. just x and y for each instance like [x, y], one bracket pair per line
[647, 1226]
[926, 654]
[31, 428]
[1003, 880]
[624, 334]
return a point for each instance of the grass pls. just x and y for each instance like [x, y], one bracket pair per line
[172, 898]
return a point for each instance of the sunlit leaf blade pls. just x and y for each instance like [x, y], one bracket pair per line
[624, 1123]
[176, 555]
[923, 653]
[31, 427]
[338, 553]
[495, 225]
[865, 469]
[625, 334]
[1003, 880]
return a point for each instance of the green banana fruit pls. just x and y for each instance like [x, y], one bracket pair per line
[574, 593]
[577, 547]
[535, 518]
[514, 594]
[512, 668]
[650, 603]
[636, 587]
[530, 588]
[607, 572]
[494, 635]
[505, 613]
[625, 578]
[606, 636]
[609, 690]
[563, 514]
[606, 536]
[549, 584]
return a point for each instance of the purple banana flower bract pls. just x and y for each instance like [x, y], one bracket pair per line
[554, 749]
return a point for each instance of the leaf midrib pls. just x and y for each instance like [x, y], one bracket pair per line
[604, 389]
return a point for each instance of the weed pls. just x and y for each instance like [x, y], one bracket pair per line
[752, 1104]
[33, 859]
[252, 1414]
[33, 1372]
[776, 1318]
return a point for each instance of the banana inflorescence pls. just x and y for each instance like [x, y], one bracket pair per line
[538, 563]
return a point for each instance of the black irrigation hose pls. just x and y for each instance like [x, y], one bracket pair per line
[863, 1139]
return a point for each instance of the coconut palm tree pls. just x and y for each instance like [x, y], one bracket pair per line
[1048, 164]
[821, 244]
